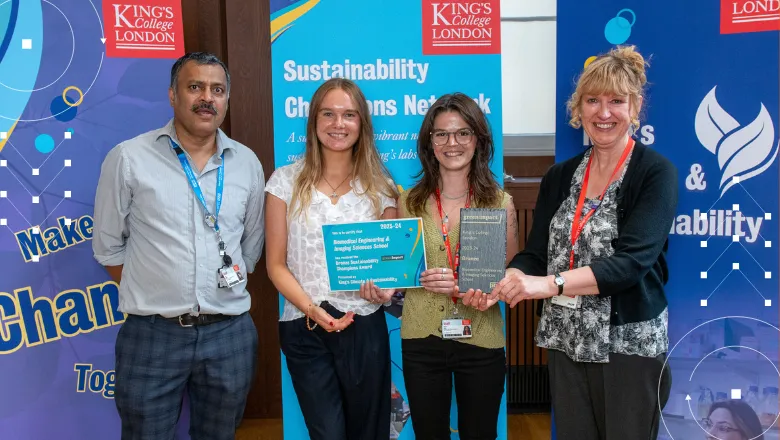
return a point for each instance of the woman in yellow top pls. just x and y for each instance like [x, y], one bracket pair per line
[455, 147]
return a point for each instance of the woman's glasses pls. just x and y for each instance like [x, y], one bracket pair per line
[462, 136]
[720, 427]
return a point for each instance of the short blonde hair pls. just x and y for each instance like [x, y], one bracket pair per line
[620, 71]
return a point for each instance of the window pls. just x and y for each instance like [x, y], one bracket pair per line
[528, 37]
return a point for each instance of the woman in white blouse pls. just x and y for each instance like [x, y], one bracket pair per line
[335, 343]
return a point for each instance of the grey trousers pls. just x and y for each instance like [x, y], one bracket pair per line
[618, 400]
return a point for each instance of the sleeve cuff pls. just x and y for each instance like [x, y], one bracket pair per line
[388, 202]
[279, 193]
[117, 259]
[249, 263]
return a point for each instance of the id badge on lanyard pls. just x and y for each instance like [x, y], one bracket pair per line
[454, 327]
[579, 221]
[229, 274]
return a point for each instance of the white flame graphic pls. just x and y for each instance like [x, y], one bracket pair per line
[742, 152]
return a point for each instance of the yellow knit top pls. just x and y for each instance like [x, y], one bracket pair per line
[423, 311]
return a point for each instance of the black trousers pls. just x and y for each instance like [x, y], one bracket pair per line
[341, 379]
[613, 401]
[429, 366]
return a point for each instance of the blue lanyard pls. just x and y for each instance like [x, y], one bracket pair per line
[211, 220]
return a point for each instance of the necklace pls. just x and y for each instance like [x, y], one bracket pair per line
[444, 227]
[446, 218]
[334, 195]
[454, 197]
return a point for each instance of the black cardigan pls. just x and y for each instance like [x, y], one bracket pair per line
[635, 275]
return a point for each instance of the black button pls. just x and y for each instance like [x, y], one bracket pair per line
[441, 308]
[614, 243]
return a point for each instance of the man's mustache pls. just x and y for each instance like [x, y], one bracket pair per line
[205, 106]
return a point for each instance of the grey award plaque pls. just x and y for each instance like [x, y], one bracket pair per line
[482, 248]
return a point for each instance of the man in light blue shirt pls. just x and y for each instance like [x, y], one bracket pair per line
[178, 224]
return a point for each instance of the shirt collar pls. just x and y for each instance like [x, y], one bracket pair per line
[223, 142]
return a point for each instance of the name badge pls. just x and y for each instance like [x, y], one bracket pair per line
[567, 301]
[456, 328]
[230, 276]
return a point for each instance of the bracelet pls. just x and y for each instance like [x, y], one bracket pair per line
[308, 310]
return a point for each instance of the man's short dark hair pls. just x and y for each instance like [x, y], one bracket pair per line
[201, 58]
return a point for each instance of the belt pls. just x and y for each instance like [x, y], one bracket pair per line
[188, 320]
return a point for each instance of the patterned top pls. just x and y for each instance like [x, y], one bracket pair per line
[585, 334]
[423, 311]
[305, 245]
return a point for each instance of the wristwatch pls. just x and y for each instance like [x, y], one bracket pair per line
[559, 281]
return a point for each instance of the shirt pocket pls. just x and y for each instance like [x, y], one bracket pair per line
[158, 201]
[234, 203]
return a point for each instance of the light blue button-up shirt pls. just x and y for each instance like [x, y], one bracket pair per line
[148, 219]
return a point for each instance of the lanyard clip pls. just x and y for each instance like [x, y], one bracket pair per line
[211, 221]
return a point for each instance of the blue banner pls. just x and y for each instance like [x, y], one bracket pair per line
[712, 108]
[403, 62]
[65, 101]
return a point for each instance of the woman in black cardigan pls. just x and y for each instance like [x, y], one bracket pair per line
[596, 255]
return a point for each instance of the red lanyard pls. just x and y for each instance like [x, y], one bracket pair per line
[445, 236]
[578, 224]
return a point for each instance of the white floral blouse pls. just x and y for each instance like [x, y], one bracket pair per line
[305, 245]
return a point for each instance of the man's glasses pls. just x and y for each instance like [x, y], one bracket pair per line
[462, 136]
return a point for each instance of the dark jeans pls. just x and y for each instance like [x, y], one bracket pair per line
[341, 379]
[429, 366]
[156, 360]
[613, 401]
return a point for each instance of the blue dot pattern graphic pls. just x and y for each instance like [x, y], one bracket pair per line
[618, 29]
[44, 143]
[63, 111]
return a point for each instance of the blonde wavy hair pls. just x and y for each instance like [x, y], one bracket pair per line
[368, 168]
[621, 71]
